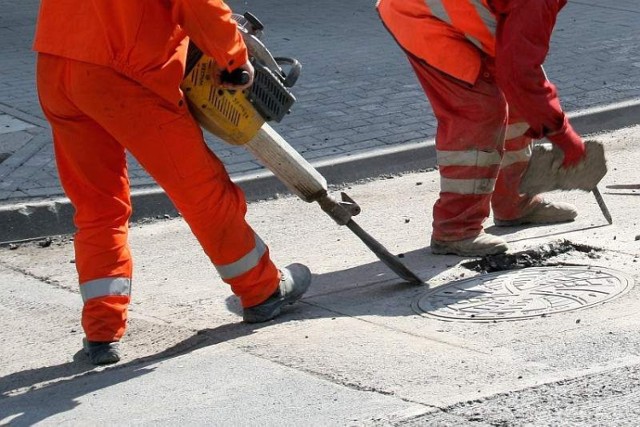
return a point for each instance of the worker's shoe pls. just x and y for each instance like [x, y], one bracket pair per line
[542, 212]
[294, 282]
[480, 245]
[101, 353]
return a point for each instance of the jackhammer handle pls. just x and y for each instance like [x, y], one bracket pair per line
[193, 56]
[255, 22]
[236, 77]
[291, 77]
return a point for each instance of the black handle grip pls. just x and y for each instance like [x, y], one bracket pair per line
[193, 56]
[237, 77]
[255, 22]
[291, 77]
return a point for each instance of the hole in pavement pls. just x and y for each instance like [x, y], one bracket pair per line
[4, 156]
[535, 257]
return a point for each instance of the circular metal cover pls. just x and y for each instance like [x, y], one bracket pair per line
[522, 294]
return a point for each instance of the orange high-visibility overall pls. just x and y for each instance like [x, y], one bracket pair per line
[478, 62]
[108, 75]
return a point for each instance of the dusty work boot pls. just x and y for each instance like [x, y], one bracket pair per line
[542, 212]
[101, 353]
[480, 245]
[294, 282]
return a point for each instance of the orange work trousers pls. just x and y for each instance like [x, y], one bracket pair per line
[482, 151]
[95, 115]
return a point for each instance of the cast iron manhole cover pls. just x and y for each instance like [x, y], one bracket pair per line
[522, 294]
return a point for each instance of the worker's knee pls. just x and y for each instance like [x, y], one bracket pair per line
[216, 201]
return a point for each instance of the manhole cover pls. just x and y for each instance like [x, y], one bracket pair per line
[522, 294]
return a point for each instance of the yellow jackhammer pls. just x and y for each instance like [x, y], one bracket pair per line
[239, 118]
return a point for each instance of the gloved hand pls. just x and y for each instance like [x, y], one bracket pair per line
[571, 144]
[238, 79]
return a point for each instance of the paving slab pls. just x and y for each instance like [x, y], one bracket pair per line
[355, 351]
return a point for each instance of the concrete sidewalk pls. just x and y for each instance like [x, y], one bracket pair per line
[361, 348]
[360, 111]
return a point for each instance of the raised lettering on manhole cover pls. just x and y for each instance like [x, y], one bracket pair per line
[522, 294]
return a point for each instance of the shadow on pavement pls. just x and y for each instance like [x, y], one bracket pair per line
[32, 396]
[79, 378]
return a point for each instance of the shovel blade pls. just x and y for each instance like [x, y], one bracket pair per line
[545, 173]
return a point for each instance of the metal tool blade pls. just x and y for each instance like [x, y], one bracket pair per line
[383, 254]
[603, 205]
[596, 192]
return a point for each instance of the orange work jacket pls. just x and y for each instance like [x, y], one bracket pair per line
[453, 36]
[449, 35]
[146, 40]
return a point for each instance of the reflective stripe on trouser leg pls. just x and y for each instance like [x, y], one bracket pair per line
[256, 263]
[471, 125]
[465, 192]
[467, 171]
[104, 287]
[507, 202]
[92, 168]
[104, 314]
[244, 264]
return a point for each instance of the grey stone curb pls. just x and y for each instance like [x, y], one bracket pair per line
[52, 217]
